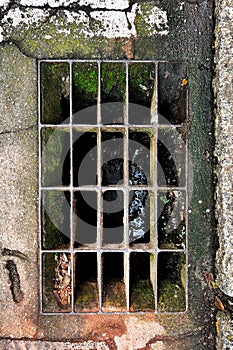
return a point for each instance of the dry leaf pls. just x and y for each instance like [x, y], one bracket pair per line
[219, 304]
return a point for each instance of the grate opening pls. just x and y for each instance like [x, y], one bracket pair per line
[113, 215]
[57, 292]
[55, 92]
[171, 233]
[84, 158]
[85, 218]
[86, 288]
[172, 93]
[113, 186]
[112, 158]
[114, 293]
[56, 233]
[55, 157]
[171, 282]
[85, 91]
[141, 282]
[142, 77]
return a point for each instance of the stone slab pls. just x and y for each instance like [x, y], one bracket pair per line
[223, 88]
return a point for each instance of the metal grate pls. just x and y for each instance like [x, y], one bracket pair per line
[113, 186]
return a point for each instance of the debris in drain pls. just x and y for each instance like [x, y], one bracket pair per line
[62, 280]
[112, 173]
[15, 281]
[171, 222]
[217, 298]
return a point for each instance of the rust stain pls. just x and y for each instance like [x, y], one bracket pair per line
[104, 327]
[127, 48]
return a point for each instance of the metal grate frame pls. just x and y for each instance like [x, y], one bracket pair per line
[126, 249]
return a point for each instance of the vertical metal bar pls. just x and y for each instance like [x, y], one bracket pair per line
[154, 99]
[99, 278]
[126, 114]
[72, 280]
[71, 190]
[155, 181]
[186, 195]
[99, 94]
[39, 204]
[126, 191]
[156, 281]
[99, 192]
[127, 278]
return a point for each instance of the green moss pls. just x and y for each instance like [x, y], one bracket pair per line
[49, 302]
[54, 92]
[114, 295]
[142, 296]
[62, 39]
[85, 77]
[86, 296]
[141, 24]
[152, 257]
[53, 238]
[54, 144]
[113, 82]
[171, 297]
[141, 83]
[85, 85]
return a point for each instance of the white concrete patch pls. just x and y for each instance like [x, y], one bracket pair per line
[107, 4]
[107, 23]
[28, 17]
[1, 36]
[51, 3]
[139, 333]
[4, 3]
[78, 18]
[114, 24]
[155, 19]
[159, 345]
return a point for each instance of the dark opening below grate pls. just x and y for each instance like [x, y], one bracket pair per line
[113, 186]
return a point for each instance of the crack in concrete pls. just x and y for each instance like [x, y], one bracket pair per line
[19, 47]
[16, 131]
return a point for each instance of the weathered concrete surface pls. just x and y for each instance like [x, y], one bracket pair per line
[225, 336]
[18, 191]
[224, 147]
[223, 87]
[172, 344]
[40, 345]
[18, 107]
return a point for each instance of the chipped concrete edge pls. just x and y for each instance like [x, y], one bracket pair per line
[36, 345]
[223, 89]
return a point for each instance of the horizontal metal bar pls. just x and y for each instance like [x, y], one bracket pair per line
[113, 187]
[112, 313]
[111, 126]
[109, 61]
[115, 250]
